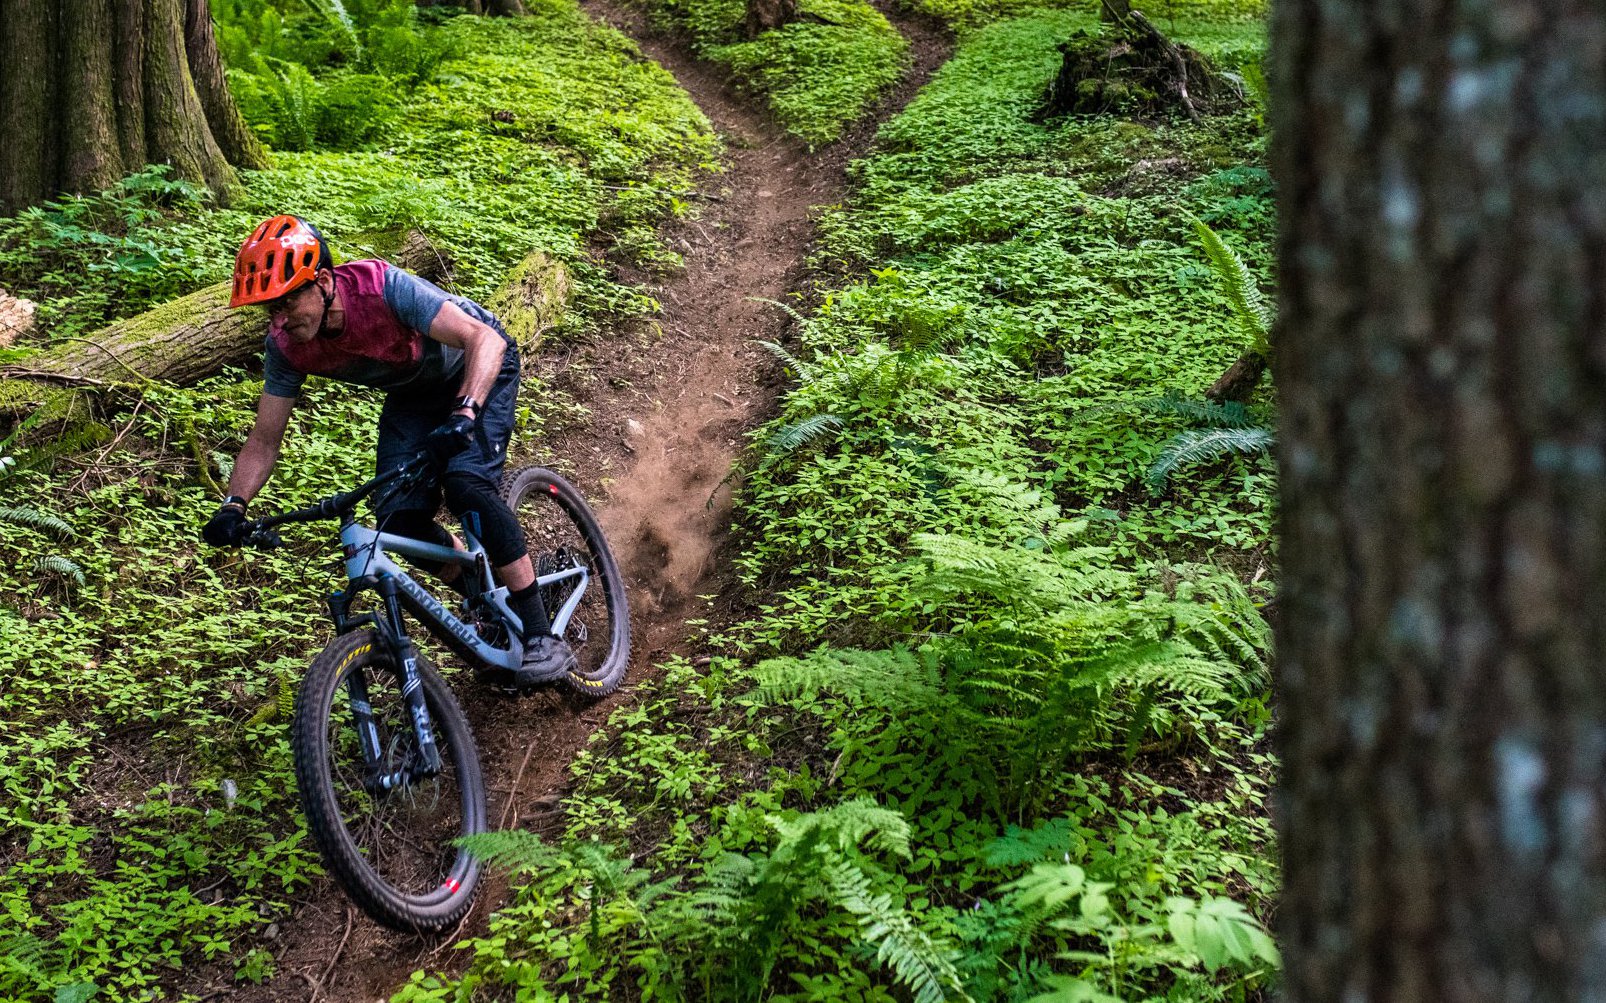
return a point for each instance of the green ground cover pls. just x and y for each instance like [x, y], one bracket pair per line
[1193, 20]
[994, 731]
[548, 132]
[816, 75]
[148, 821]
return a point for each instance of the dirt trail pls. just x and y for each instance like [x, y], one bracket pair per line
[664, 420]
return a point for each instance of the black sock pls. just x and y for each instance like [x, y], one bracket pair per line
[526, 602]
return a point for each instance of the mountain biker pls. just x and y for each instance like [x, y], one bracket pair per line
[451, 377]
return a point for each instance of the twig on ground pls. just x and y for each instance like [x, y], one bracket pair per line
[335, 958]
[512, 797]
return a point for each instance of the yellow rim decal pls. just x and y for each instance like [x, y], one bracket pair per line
[356, 653]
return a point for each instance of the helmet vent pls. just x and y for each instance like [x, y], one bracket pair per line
[283, 228]
[289, 266]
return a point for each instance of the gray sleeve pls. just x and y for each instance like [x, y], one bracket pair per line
[415, 301]
[279, 378]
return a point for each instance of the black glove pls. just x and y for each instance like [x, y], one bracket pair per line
[227, 528]
[453, 436]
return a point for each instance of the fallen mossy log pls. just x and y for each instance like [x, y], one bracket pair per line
[183, 342]
[533, 298]
[186, 340]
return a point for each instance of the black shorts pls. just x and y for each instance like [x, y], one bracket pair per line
[410, 414]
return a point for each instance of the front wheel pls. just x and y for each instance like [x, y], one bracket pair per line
[564, 537]
[385, 832]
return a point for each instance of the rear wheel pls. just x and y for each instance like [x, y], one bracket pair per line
[563, 534]
[391, 849]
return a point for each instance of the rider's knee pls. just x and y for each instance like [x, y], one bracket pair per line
[499, 531]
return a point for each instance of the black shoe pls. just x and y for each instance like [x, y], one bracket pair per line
[546, 658]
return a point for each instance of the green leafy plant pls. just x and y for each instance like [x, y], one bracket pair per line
[130, 239]
[1249, 307]
[723, 938]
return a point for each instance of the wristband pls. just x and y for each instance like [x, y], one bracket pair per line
[235, 500]
[467, 402]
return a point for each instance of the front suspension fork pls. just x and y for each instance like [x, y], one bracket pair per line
[428, 763]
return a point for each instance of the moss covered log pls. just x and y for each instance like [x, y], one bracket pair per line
[533, 299]
[179, 342]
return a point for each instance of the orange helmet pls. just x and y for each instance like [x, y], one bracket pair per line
[280, 256]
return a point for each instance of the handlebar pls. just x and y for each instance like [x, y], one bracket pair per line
[260, 533]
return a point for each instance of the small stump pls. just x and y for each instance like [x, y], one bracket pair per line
[1132, 69]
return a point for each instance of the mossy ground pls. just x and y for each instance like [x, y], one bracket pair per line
[147, 807]
[816, 75]
[1000, 295]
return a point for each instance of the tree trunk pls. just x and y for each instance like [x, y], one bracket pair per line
[767, 15]
[507, 8]
[93, 159]
[239, 144]
[174, 117]
[1441, 368]
[91, 90]
[29, 162]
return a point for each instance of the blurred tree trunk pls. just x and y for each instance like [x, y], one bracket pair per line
[767, 15]
[91, 90]
[1114, 11]
[1441, 369]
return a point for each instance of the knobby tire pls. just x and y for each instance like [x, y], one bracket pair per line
[555, 517]
[407, 876]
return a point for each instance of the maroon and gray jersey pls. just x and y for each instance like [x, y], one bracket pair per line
[383, 343]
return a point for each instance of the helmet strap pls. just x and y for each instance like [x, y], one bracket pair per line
[328, 300]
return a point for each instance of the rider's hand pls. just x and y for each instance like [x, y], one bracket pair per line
[453, 436]
[227, 528]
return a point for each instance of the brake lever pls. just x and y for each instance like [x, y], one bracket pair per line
[262, 539]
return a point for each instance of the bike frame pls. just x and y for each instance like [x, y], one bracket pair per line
[368, 565]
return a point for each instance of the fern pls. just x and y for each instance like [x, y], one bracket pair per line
[1249, 306]
[789, 310]
[897, 679]
[53, 564]
[806, 372]
[792, 436]
[33, 518]
[1209, 414]
[335, 14]
[900, 945]
[1204, 444]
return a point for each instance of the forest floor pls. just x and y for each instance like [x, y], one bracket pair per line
[664, 421]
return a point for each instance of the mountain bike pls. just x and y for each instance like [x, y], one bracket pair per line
[385, 762]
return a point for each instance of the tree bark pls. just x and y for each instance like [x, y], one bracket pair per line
[1441, 369]
[767, 15]
[1240, 379]
[28, 153]
[93, 158]
[174, 118]
[507, 8]
[238, 143]
[93, 89]
[130, 76]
